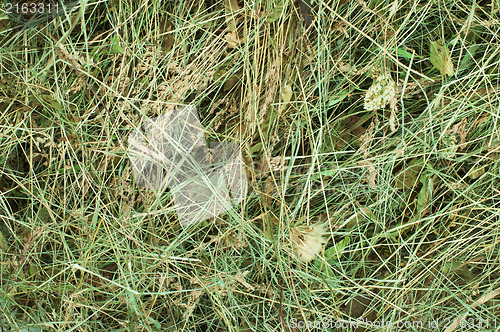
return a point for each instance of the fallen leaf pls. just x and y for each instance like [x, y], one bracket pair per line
[276, 13]
[4, 25]
[407, 178]
[425, 194]
[3, 243]
[287, 93]
[232, 39]
[115, 46]
[459, 129]
[200, 180]
[168, 39]
[364, 214]
[392, 121]
[477, 171]
[231, 7]
[483, 299]
[481, 120]
[359, 306]
[372, 175]
[267, 196]
[459, 269]
[52, 102]
[305, 12]
[365, 140]
[440, 57]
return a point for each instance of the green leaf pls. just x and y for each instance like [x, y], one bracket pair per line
[275, 13]
[287, 93]
[115, 46]
[95, 53]
[52, 102]
[132, 301]
[329, 172]
[334, 100]
[477, 171]
[32, 269]
[360, 217]
[257, 148]
[155, 323]
[457, 268]
[425, 194]
[440, 57]
[334, 253]
[405, 54]
[231, 8]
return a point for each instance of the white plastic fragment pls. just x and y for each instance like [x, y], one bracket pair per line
[172, 152]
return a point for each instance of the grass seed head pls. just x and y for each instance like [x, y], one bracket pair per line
[308, 241]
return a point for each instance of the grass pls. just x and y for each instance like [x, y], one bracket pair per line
[409, 196]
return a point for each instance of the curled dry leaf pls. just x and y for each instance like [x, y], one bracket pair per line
[267, 196]
[399, 153]
[232, 39]
[372, 175]
[408, 177]
[459, 129]
[231, 7]
[366, 138]
[392, 121]
[167, 40]
[364, 149]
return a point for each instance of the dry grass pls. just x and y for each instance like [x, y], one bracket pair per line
[408, 193]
